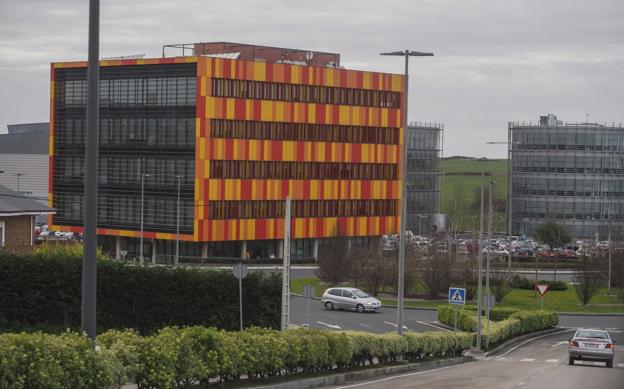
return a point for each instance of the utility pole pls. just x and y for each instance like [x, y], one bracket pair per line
[402, 237]
[286, 270]
[487, 261]
[89, 261]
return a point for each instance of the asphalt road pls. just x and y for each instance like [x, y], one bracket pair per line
[379, 322]
[539, 363]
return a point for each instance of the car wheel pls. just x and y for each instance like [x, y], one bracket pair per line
[610, 363]
[570, 361]
[329, 306]
[359, 308]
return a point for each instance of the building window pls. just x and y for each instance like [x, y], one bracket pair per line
[247, 89]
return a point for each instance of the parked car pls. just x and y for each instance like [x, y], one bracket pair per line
[591, 345]
[349, 298]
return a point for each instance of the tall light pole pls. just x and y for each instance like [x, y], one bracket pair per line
[143, 175]
[177, 254]
[18, 180]
[480, 260]
[401, 286]
[89, 259]
[509, 143]
[487, 261]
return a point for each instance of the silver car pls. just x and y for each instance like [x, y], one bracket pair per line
[349, 298]
[591, 345]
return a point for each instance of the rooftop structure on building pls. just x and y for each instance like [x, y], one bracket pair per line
[249, 52]
[235, 137]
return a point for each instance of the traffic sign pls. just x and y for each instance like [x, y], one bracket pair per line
[308, 291]
[541, 289]
[239, 270]
[457, 296]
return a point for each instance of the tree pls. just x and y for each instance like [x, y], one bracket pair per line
[555, 235]
[587, 277]
[436, 273]
[335, 265]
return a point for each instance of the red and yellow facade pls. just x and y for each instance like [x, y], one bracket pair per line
[209, 190]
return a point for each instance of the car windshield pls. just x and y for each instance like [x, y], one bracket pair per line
[592, 334]
[359, 293]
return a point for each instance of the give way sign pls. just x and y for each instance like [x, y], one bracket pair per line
[541, 289]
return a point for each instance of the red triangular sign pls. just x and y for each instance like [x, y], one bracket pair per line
[542, 289]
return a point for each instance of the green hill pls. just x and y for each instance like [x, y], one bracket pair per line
[461, 180]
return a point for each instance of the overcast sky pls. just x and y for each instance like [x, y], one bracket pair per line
[495, 60]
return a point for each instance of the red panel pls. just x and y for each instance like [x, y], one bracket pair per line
[239, 109]
[300, 151]
[356, 152]
[320, 113]
[245, 189]
[276, 150]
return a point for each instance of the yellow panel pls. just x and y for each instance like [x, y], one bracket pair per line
[288, 150]
[366, 80]
[266, 110]
[259, 71]
[397, 83]
[344, 117]
[279, 111]
[311, 113]
[295, 75]
[229, 113]
[208, 67]
[202, 148]
[362, 221]
[330, 76]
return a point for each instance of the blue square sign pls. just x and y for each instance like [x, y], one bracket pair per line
[457, 296]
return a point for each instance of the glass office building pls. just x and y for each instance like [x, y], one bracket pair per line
[424, 157]
[572, 173]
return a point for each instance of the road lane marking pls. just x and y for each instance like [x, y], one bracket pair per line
[560, 343]
[399, 376]
[532, 339]
[620, 364]
[364, 325]
[433, 325]
[521, 383]
[329, 325]
[611, 329]
[552, 360]
[395, 325]
[528, 360]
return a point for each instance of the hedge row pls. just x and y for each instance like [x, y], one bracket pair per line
[45, 292]
[505, 323]
[524, 283]
[182, 357]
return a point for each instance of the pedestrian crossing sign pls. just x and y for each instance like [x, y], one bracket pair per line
[457, 296]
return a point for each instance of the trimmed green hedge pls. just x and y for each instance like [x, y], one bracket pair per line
[505, 323]
[524, 283]
[183, 357]
[45, 293]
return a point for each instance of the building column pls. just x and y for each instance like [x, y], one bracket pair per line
[315, 244]
[349, 243]
[154, 251]
[118, 247]
[243, 252]
[204, 254]
[280, 249]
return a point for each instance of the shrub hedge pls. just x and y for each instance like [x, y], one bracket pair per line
[504, 322]
[44, 292]
[524, 283]
[183, 357]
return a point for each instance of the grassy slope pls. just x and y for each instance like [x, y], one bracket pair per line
[458, 191]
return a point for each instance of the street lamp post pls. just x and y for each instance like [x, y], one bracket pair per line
[401, 284]
[487, 261]
[143, 175]
[177, 254]
[480, 260]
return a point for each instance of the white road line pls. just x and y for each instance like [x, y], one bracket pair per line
[521, 383]
[527, 360]
[395, 325]
[433, 325]
[620, 364]
[364, 325]
[560, 343]
[611, 329]
[532, 339]
[397, 376]
[329, 325]
[552, 360]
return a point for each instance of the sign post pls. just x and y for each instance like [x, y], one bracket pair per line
[542, 289]
[457, 296]
[240, 271]
[309, 294]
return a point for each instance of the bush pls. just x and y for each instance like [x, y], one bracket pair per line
[45, 291]
[504, 322]
[524, 283]
[184, 357]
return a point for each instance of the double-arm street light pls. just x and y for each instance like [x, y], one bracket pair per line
[401, 286]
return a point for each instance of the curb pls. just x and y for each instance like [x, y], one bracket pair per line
[349, 377]
[589, 314]
[521, 338]
[383, 305]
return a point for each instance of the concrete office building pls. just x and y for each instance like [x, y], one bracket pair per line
[570, 172]
[24, 159]
[238, 136]
[424, 158]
